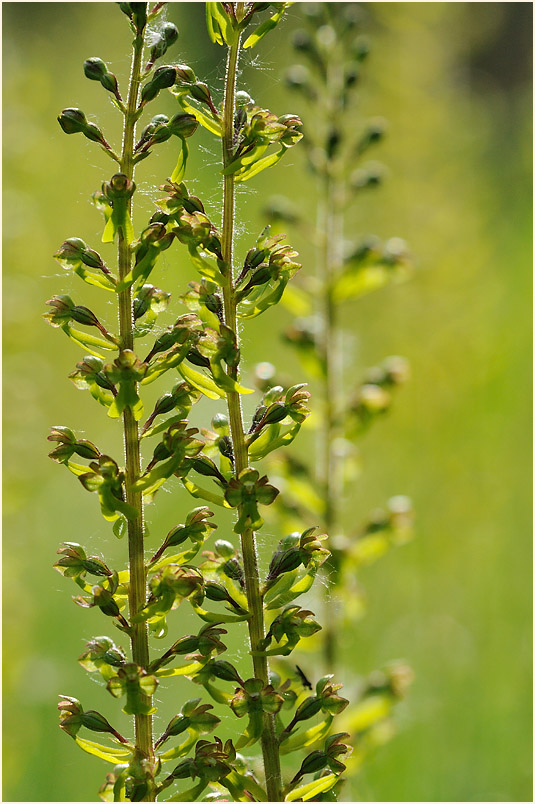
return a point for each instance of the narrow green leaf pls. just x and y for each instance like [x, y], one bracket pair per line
[245, 160]
[181, 750]
[308, 791]
[113, 755]
[189, 795]
[209, 123]
[204, 494]
[180, 169]
[267, 26]
[86, 341]
[200, 381]
[307, 738]
[268, 161]
[185, 670]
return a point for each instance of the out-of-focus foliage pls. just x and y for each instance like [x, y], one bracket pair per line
[456, 600]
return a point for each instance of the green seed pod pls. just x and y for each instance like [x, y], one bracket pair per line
[183, 125]
[184, 74]
[224, 548]
[72, 121]
[163, 78]
[83, 315]
[220, 423]
[314, 762]
[215, 591]
[310, 707]
[167, 35]
[200, 92]
[233, 570]
[225, 671]
[243, 99]
[96, 70]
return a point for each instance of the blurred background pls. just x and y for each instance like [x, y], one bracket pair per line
[454, 82]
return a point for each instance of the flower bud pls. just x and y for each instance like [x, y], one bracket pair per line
[96, 70]
[233, 570]
[199, 90]
[310, 707]
[220, 423]
[215, 591]
[184, 74]
[167, 35]
[163, 78]
[284, 561]
[225, 671]
[99, 651]
[314, 762]
[183, 125]
[137, 13]
[72, 121]
[224, 548]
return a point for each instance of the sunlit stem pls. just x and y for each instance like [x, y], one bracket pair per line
[138, 581]
[270, 748]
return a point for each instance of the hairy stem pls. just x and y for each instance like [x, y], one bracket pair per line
[270, 747]
[138, 578]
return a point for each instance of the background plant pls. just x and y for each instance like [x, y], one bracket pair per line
[203, 345]
[328, 78]
[457, 63]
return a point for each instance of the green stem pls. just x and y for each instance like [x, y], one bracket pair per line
[138, 579]
[270, 746]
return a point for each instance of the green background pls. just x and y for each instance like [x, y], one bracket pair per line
[453, 79]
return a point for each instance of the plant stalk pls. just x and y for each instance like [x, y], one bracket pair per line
[331, 224]
[270, 746]
[138, 577]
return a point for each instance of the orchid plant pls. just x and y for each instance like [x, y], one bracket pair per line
[199, 355]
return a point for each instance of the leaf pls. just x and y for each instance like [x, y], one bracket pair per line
[205, 266]
[307, 737]
[189, 795]
[201, 382]
[180, 169]
[263, 446]
[211, 125]
[210, 617]
[184, 670]
[282, 584]
[244, 161]
[181, 750]
[268, 161]
[105, 752]
[203, 494]
[244, 782]
[98, 280]
[307, 791]
[217, 18]
[299, 588]
[267, 26]
[214, 34]
[86, 341]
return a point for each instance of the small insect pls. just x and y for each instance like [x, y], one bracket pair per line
[303, 679]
